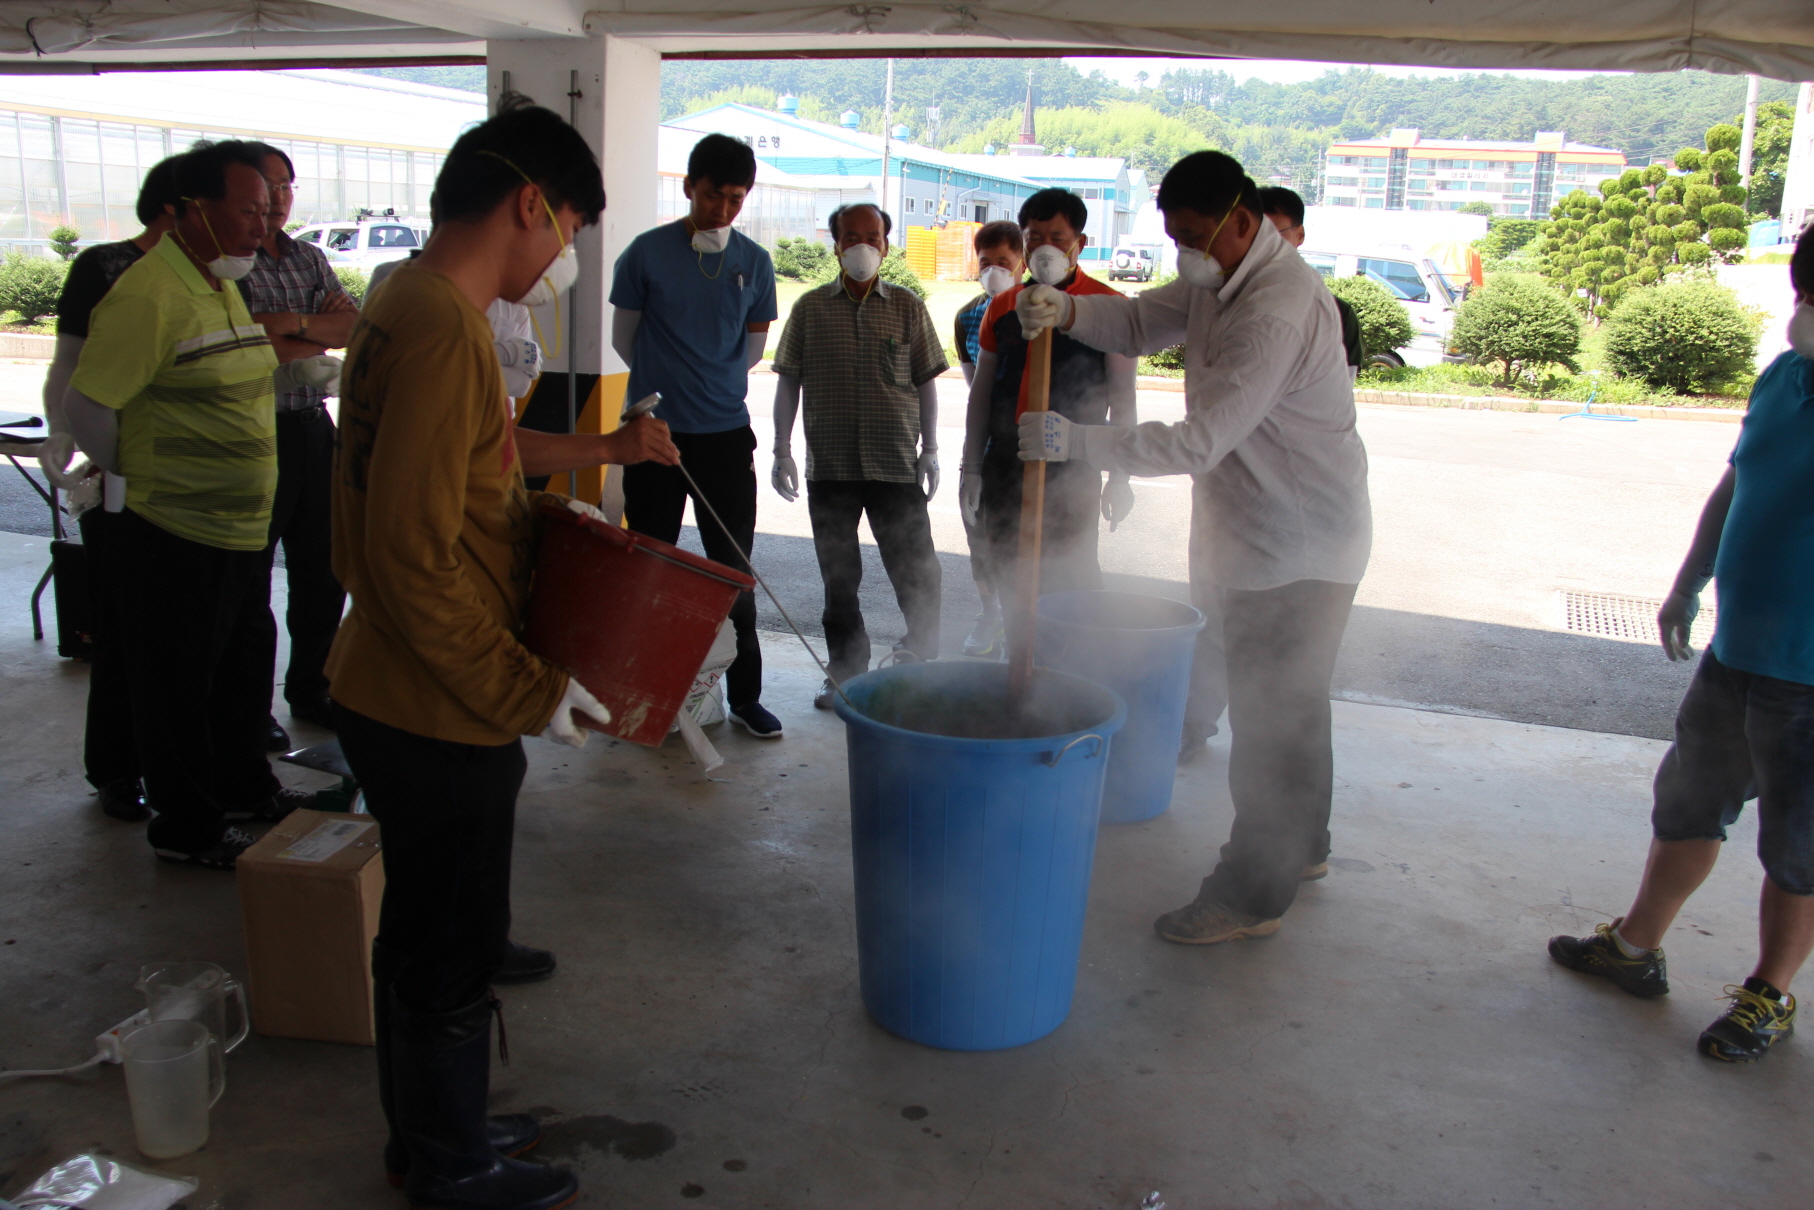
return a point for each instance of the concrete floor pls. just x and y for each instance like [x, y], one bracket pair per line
[1402, 1042]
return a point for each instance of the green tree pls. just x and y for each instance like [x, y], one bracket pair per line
[63, 241]
[31, 285]
[1476, 208]
[803, 259]
[1770, 157]
[354, 281]
[1519, 323]
[897, 272]
[1682, 336]
[1385, 325]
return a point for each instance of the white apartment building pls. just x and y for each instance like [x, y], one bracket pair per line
[1407, 172]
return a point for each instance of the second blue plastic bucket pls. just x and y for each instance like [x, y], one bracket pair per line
[972, 843]
[1142, 648]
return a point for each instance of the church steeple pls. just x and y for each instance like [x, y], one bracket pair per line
[1028, 143]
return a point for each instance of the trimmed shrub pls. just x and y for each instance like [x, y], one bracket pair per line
[353, 281]
[897, 272]
[31, 285]
[63, 241]
[1685, 336]
[1385, 325]
[803, 259]
[1520, 324]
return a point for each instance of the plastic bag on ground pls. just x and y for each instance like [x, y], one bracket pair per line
[98, 1182]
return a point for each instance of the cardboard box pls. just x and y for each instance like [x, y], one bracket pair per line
[309, 891]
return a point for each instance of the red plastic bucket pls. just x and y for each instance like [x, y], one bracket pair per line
[631, 617]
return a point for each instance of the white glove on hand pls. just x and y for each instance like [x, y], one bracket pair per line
[785, 477]
[1049, 437]
[53, 460]
[321, 373]
[561, 728]
[586, 510]
[1117, 501]
[970, 497]
[1674, 620]
[521, 361]
[1041, 307]
[927, 470]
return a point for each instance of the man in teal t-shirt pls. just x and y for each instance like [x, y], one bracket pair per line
[1745, 728]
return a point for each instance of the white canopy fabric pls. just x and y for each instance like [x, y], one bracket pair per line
[1770, 37]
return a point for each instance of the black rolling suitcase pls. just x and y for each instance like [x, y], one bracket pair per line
[69, 579]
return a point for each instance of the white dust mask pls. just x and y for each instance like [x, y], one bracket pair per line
[1049, 265]
[713, 241]
[860, 262]
[232, 268]
[1199, 268]
[1801, 330]
[995, 279]
[555, 280]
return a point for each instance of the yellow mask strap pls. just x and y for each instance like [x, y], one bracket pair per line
[555, 351]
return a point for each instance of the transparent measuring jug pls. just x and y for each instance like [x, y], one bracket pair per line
[195, 991]
[174, 1073]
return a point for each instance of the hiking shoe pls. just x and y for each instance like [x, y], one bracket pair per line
[1750, 1025]
[124, 800]
[985, 637]
[1315, 873]
[823, 699]
[1647, 975]
[1206, 922]
[756, 719]
[272, 809]
[220, 856]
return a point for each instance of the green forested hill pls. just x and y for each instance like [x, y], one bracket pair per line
[1272, 128]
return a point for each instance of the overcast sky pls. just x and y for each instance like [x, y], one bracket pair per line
[1276, 71]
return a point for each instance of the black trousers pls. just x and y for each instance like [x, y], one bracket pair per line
[655, 502]
[903, 533]
[199, 643]
[1067, 549]
[1281, 646]
[302, 519]
[447, 812]
[110, 750]
[1208, 667]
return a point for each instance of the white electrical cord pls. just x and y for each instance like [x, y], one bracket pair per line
[98, 1059]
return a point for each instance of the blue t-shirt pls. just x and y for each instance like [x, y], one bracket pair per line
[696, 310]
[1765, 566]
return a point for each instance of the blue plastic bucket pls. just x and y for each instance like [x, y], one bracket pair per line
[972, 855]
[1141, 647]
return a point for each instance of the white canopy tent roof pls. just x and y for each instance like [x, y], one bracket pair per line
[1769, 37]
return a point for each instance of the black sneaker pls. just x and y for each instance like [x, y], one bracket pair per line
[756, 719]
[220, 856]
[273, 808]
[1751, 1024]
[1646, 975]
[315, 711]
[124, 800]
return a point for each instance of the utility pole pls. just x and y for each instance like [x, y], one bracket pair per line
[887, 135]
[1748, 142]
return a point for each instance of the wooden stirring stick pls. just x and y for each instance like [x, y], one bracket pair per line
[1021, 635]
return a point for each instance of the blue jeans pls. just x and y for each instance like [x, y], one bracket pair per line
[1739, 736]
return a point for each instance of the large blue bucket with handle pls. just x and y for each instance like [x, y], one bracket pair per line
[1142, 648]
[973, 830]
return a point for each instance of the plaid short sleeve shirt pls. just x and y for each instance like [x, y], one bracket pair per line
[300, 282]
[860, 366]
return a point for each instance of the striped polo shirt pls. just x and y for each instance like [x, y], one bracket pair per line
[191, 376]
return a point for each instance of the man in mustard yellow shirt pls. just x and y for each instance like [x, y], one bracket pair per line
[174, 392]
[432, 688]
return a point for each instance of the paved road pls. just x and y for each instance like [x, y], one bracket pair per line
[1481, 520]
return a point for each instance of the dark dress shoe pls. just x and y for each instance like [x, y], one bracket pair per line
[124, 800]
[277, 739]
[524, 964]
[314, 711]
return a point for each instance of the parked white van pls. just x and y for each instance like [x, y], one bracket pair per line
[1411, 278]
[367, 241]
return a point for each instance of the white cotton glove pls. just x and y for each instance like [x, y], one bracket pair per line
[970, 497]
[586, 510]
[1049, 437]
[320, 372]
[1674, 620]
[1117, 501]
[521, 361]
[561, 728]
[927, 470]
[1041, 307]
[785, 476]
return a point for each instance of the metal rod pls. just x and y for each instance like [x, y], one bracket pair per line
[573, 309]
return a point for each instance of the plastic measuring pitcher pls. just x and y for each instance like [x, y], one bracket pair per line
[195, 991]
[175, 1071]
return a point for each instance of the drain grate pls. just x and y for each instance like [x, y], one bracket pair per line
[1629, 619]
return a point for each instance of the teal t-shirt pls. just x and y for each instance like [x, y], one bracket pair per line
[696, 311]
[1765, 566]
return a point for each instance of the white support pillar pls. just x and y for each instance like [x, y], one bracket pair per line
[618, 111]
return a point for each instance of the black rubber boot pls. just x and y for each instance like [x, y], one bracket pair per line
[433, 1076]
